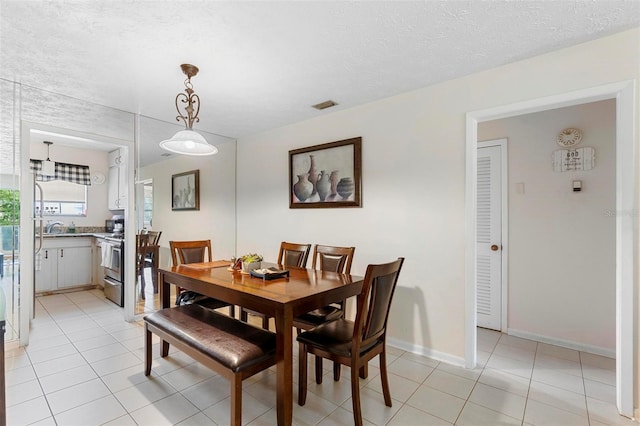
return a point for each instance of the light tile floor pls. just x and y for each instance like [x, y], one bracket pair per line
[84, 367]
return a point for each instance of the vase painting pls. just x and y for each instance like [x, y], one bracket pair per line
[303, 188]
[326, 175]
[345, 188]
[313, 174]
[323, 185]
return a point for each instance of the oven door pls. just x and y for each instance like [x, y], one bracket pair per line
[113, 291]
[116, 260]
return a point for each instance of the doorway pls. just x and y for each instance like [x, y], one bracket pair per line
[72, 140]
[626, 187]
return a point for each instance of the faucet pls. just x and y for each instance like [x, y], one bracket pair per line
[51, 227]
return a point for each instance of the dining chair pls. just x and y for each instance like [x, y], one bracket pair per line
[355, 343]
[290, 255]
[154, 240]
[196, 251]
[332, 259]
[142, 244]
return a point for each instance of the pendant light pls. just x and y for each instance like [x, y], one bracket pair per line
[188, 142]
[48, 166]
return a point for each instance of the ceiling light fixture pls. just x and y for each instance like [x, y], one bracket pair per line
[48, 166]
[187, 141]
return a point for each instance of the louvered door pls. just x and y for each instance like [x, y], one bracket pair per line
[488, 238]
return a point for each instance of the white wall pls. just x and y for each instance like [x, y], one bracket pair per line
[98, 161]
[216, 218]
[413, 181]
[562, 281]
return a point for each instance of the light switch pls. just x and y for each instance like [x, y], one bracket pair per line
[520, 188]
[577, 185]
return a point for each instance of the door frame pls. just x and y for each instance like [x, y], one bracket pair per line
[504, 225]
[626, 221]
[26, 220]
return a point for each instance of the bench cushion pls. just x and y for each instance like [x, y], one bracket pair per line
[232, 343]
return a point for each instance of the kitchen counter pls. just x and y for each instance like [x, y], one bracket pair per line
[69, 234]
[109, 236]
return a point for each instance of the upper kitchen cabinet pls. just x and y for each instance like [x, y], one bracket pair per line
[118, 177]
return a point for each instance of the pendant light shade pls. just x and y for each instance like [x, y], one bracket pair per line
[188, 142]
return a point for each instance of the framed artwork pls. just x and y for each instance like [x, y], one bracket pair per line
[326, 175]
[185, 191]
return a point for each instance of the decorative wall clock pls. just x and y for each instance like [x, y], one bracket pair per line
[569, 137]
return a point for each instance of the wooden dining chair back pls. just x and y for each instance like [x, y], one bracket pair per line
[332, 258]
[184, 252]
[292, 254]
[355, 343]
[154, 237]
[190, 251]
[154, 240]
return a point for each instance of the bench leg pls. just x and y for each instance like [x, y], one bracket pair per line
[147, 351]
[236, 400]
[164, 348]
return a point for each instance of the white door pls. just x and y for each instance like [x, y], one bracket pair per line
[489, 236]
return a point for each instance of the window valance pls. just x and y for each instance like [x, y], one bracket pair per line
[74, 173]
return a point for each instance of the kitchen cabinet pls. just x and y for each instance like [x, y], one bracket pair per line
[118, 179]
[64, 263]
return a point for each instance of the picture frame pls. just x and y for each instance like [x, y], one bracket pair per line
[185, 191]
[328, 175]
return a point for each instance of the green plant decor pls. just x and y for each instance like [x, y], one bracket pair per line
[9, 207]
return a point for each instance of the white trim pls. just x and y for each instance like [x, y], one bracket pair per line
[504, 224]
[609, 353]
[426, 352]
[626, 221]
[626, 236]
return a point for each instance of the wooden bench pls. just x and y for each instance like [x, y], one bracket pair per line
[232, 348]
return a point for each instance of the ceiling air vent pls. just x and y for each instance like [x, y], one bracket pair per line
[325, 104]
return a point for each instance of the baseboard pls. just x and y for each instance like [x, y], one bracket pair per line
[428, 352]
[597, 350]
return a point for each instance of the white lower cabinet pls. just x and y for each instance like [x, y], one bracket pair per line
[64, 263]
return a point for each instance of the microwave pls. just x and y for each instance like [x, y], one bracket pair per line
[110, 224]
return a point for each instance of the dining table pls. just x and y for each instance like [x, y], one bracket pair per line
[283, 299]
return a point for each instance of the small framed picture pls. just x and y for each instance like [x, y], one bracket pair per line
[326, 175]
[185, 191]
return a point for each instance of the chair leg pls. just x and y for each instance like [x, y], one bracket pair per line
[142, 284]
[336, 371]
[243, 315]
[265, 322]
[364, 371]
[147, 350]
[302, 374]
[318, 369]
[236, 401]
[385, 378]
[232, 311]
[355, 396]
[164, 348]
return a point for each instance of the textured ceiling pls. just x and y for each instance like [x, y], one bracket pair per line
[262, 64]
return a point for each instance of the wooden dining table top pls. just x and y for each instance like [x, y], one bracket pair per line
[301, 288]
[282, 298]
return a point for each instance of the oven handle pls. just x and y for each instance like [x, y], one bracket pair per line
[112, 281]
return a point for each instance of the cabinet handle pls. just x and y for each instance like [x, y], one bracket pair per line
[46, 254]
[61, 252]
